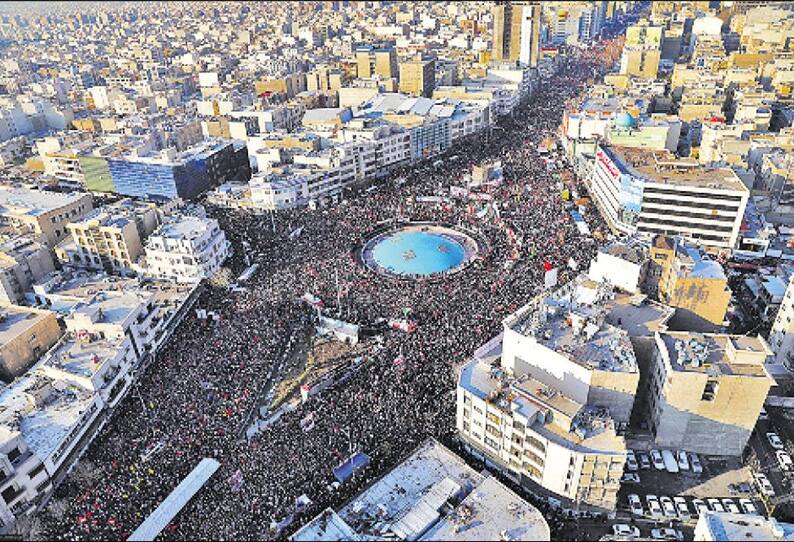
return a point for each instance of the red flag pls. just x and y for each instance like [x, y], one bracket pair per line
[547, 266]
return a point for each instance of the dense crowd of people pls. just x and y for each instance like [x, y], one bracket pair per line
[194, 400]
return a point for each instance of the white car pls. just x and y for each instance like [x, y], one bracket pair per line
[654, 508]
[715, 505]
[730, 506]
[630, 478]
[631, 461]
[697, 468]
[700, 506]
[656, 458]
[636, 505]
[683, 463]
[666, 534]
[748, 507]
[682, 508]
[645, 463]
[774, 441]
[784, 460]
[670, 462]
[668, 506]
[625, 531]
[764, 485]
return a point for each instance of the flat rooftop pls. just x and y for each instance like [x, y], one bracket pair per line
[708, 353]
[17, 320]
[183, 227]
[79, 359]
[415, 501]
[725, 526]
[571, 321]
[664, 168]
[18, 201]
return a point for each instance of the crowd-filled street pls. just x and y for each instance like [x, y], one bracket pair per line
[194, 400]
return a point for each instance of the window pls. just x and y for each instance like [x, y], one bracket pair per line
[710, 390]
[491, 443]
[535, 443]
[13, 454]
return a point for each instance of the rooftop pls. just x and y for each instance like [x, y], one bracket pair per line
[571, 321]
[727, 526]
[15, 320]
[415, 501]
[183, 227]
[664, 168]
[79, 358]
[716, 354]
[20, 201]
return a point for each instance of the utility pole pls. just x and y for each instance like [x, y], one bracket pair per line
[338, 293]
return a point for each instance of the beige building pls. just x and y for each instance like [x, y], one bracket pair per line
[418, 77]
[706, 391]
[689, 281]
[25, 335]
[22, 262]
[516, 34]
[42, 213]
[373, 62]
[110, 238]
[642, 51]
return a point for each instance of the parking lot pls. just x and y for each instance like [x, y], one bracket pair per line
[762, 458]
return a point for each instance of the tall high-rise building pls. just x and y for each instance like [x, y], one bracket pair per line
[372, 62]
[516, 34]
[418, 77]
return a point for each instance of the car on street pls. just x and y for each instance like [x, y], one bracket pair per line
[682, 508]
[631, 461]
[683, 462]
[656, 458]
[697, 468]
[645, 462]
[625, 531]
[630, 478]
[700, 507]
[730, 506]
[764, 485]
[784, 460]
[635, 504]
[715, 505]
[666, 534]
[774, 441]
[668, 506]
[654, 508]
[748, 507]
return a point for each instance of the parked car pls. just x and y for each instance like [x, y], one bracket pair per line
[668, 506]
[774, 441]
[697, 468]
[748, 507]
[730, 506]
[670, 462]
[784, 460]
[656, 458]
[666, 534]
[645, 462]
[625, 531]
[630, 478]
[636, 505]
[764, 485]
[700, 506]
[715, 505]
[683, 463]
[631, 461]
[654, 508]
[682, 508]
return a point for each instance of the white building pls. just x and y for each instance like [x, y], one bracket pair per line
[651, 192]
[542, 401]
[725, 526]
[781, 336]
[620, 265]
[186, 249]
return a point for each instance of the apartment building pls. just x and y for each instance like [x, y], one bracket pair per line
[707, 390]
[41, 214]
[380, 62]
[516, 34]
[109, 238]
[686, 278]
[543, 400]
[652, 192]
[418, 76]
[642, 51]
[25, 334]
[22, 263]
[781, 336]
[186, 249]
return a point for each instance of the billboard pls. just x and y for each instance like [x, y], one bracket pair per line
[631, 189]
[644, 35]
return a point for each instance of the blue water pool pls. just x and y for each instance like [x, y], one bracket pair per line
[418, 253]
